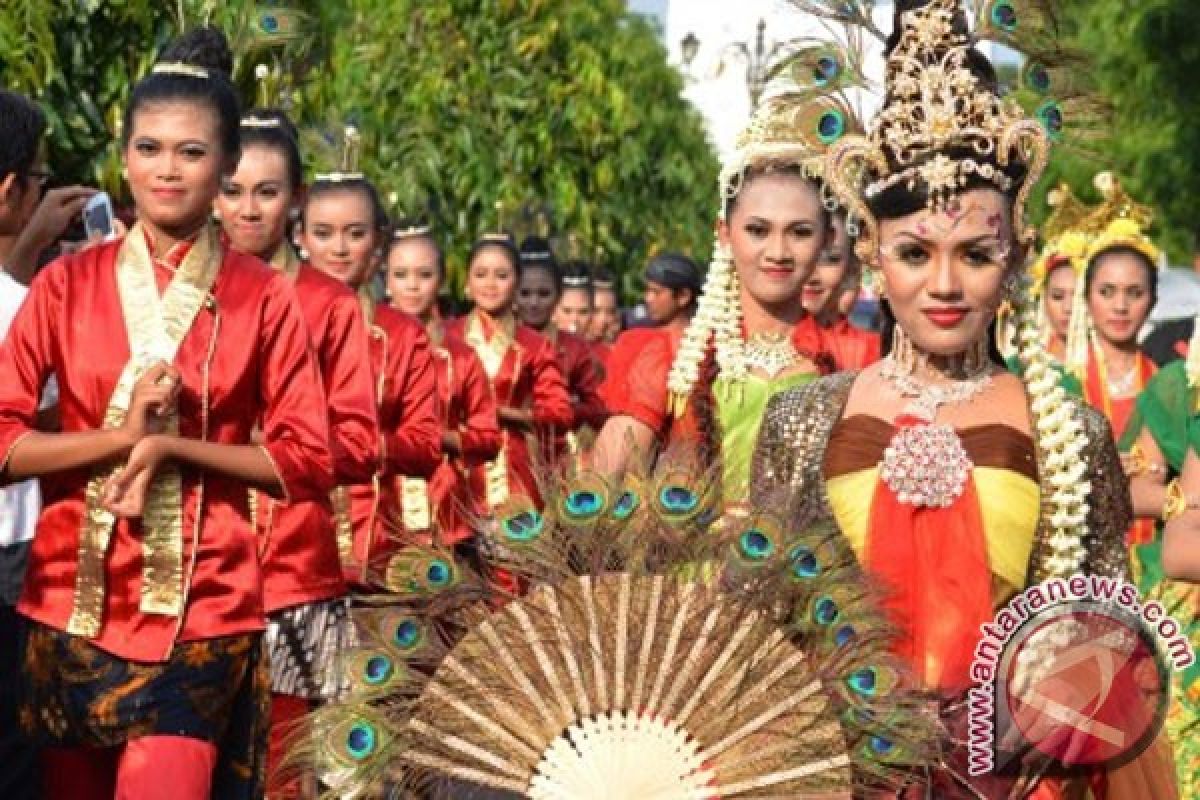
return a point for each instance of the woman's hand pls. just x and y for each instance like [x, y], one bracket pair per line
[154, 397]
[125, 492]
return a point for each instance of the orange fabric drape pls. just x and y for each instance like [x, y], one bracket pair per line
[934, 564]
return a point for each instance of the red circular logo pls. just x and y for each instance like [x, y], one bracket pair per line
[1083, 686]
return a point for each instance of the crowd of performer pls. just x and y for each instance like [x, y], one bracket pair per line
[216, 428]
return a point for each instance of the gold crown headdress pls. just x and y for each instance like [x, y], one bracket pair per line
[1065, 235]
[1120, 221]
[942, 126]
[348, 169]
[1067, 238]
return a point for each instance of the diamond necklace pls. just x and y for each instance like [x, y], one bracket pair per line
[926, 398]
[771, 353]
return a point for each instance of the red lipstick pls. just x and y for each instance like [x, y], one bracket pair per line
[946, 317]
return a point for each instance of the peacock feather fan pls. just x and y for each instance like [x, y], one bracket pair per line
[662, 648]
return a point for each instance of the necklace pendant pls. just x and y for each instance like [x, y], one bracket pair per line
[770, 353]
[926, 466]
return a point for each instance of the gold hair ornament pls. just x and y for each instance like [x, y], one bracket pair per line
[1120, 221]
[411, 231]
[348, 172]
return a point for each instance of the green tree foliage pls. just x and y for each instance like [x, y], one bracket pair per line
[1147, 62]
[563, 104]
[568, 106]
[80, 58]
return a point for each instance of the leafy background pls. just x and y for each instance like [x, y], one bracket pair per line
[563, 107]
[564, 112]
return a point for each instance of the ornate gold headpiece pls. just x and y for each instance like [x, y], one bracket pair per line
[1119, 221]
[351, 147]
[941, 126]
[180, 68]
[1064, 232]
[796, 126]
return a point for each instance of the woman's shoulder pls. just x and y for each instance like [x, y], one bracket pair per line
[817, 397]
[1173, 376]
[533, 342]
[397, 323]
[244, 276]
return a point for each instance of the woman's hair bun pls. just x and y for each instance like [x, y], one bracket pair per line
[204, 47]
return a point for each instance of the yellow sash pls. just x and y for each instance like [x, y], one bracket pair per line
[155, 326]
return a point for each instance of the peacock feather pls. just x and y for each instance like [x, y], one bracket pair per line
[421, 571]
[664, 648]
[818, 67]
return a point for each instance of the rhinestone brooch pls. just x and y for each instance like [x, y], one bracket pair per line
[926, 466]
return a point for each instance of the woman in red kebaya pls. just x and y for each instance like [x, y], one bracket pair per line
[538, 294]
[303, 590]
[470, 428]
[343, 226]
[837, 272]
[531, 395]
[142, 665]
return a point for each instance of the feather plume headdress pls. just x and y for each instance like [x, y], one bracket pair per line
[943, 124]
[1067, 239]
[663, 649]
[807, 113]
[1117, 222]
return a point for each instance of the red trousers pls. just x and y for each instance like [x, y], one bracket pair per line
[148, 768]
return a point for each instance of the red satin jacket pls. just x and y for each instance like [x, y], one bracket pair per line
[456, 491]
[406, 396]
[852, 348]
[298, 543]
[245, 358]
[528, 377]
[577, 362]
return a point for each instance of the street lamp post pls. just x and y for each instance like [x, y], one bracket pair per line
[758, 60]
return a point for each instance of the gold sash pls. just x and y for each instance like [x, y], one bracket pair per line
[344, 530]
[492, 353]
[414, 504]
[155, 326]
